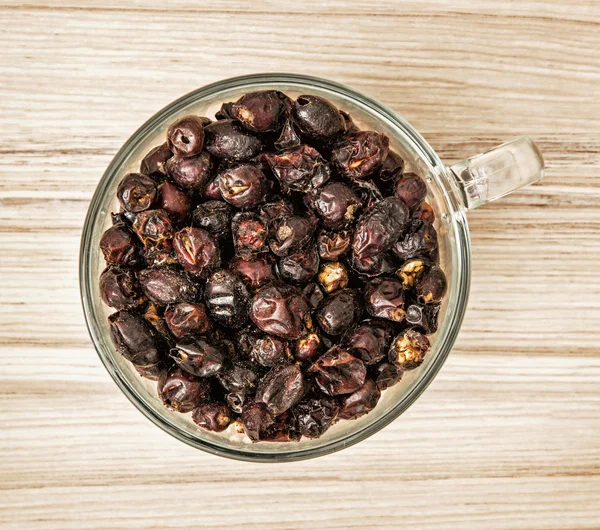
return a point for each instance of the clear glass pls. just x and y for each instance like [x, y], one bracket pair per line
[446, 195]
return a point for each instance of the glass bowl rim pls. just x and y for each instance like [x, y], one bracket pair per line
[461, 247]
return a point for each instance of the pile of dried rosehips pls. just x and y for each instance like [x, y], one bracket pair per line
[274, 267]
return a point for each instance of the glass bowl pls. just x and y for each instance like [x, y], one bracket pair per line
[451, 191]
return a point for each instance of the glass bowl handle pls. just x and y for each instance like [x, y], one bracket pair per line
[486, 177]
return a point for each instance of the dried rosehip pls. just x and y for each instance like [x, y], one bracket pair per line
[185, 137]
[190, 173]
[425, 212]
[244, 186]
[301, 169]
[408, 349]
[187, 319]
[119, 288]
[238, 380]
[307, 347]
[181, 391]
[368, 193]
[281, 431]
[255, 420]
[153, 226]
[135, 339]
[269, 351]
[214, 417]
[227, 299]
[119, 246]
[313, 294]
[174, 201]
[317, 119]
[432, 285]
[153, 164]
[254, 271]
[372, 266]
[154, 314]
[384, 298]
[333, 276]
[423, 317]
[336, 204]
[197, 251]
[288, 139]
[332, 245]
[380, 227]
[420, 239]
[137, 192]
[166, 285]
[315, 416]
[387, 375]
[198, 356]
[392, 167]
[339, 312]
[411, 271]
[411, 189]
[337, 372]
[214, 217]
[360, 154]
[280, 309]
[293, 233]
[226, 139]
[160, 253]
[249, 233]
[281, 388]
[360, 402]
[272, 212]
[368, 342]
[262, 111]
[300, 267]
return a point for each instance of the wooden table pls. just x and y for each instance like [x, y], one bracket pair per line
[508, 435]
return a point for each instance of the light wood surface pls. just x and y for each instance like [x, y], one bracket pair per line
[507, 436]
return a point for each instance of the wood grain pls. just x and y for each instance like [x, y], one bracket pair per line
[507, 436]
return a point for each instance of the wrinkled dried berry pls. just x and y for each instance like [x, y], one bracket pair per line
[408, 349]
[360, 402]
[214, 417]
[244, 186]
[190, 173]
[423, 317]
[238, 380]
[167, 285]
[197, 251]
[160, 253]
[225, 112]
[174, 201]
[337, 372]
[119, 246]
[332, 245]
[280, 309]
[419, 240]
[153, 164]
[135, 339]
[119, 288]
[227, 140]
[301, 169]
[339, 312]
[288, 139]
[392, 167]
[360, 154]
[308, 347]
[387, 375]
[198, 356]
[336, 204]
[372, 266]
[384, 298]
[424, 212]
[411, 271]
[272, 212]
[153, 226]
[255, 420]
[317, 119]
[368, 342]
[432, 285]
[181, 391]
[137, 192]
[185, 137]
[315, 416]
[227, 299]
[255, 271]
[212, 191]
[269, 351]
[300, 267]
[292, 234]
[368, 193]
[187, 319]
[155, 315]
[411, 189]
[249, 233]
[333, 276]
[262, 111]
[281, 388]
[214, 217]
